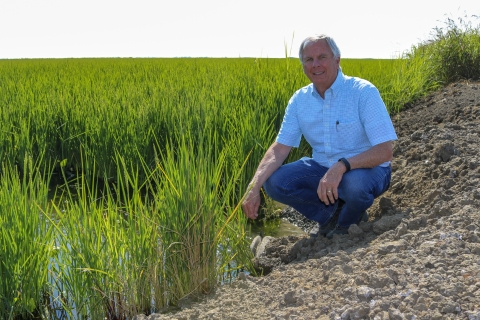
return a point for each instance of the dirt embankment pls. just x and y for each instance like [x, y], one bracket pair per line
[418, 257]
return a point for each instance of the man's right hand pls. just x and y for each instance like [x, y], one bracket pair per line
[251, 203]
[272, 160]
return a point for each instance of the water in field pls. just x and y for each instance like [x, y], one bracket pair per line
[276, 228]
[286, 228]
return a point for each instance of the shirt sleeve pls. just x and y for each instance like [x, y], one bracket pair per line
[290, 133]
[375, 118]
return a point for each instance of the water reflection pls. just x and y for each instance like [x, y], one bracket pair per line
[275, 228]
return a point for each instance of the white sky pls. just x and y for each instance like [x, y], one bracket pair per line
[217, 28]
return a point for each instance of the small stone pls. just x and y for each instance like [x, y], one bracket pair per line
[242, 276]
[260, 252]
[355, 231]
[401, 230]
[254, 245]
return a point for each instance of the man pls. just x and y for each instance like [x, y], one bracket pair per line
[348, 127]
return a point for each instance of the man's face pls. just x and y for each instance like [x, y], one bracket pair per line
[319, 65]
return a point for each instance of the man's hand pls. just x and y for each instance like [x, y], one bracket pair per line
[251, 203]
[328, 187]
[273, 159]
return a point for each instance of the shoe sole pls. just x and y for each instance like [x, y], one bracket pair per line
[364, 218]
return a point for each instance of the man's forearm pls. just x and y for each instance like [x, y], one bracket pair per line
[373, 157]
[273, 159]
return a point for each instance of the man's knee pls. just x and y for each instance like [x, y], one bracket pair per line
[272, 186]
[354, 191]
[268, 186]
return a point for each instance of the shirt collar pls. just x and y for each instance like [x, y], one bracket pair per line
[336, 86]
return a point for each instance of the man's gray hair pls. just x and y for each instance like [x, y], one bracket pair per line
[316, 38]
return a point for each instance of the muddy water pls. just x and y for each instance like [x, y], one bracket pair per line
[275, 228]
[278, 228]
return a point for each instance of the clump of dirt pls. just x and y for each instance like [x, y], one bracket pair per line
[418, 257]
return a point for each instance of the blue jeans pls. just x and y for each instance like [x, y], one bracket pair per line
[295, 184]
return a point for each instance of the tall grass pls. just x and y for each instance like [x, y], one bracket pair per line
[452, 53]
[111, 260]
[455, 49]
[412, 78]
[26, 242]
[137, 248]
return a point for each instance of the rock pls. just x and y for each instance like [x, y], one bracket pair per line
[395, 314]
[392, 247]
[242, 276]
[263, 265]
[444, 151]
[365, 293]
[401, 230]
[260, 252]
[387, 223]
[355, 231]
[255, 243]
[385, 204]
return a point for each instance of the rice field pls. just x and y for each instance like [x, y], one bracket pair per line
[121, 179]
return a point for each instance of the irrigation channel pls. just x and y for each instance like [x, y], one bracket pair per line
[276, 228]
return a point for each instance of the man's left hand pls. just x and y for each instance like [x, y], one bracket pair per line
[328, 187]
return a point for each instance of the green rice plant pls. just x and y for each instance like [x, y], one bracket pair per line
[138, 248]
[202, 226]
[102, 105]
[110, 260]
[26, 243]
[144, 285]
[83, 270]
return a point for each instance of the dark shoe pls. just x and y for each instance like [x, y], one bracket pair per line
[318, 230]
[323, 230]
[337, 230]
[364, 217]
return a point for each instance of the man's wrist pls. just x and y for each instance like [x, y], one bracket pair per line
[253, 186]
[346, 163]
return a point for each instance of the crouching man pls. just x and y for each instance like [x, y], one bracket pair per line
[350, 131]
